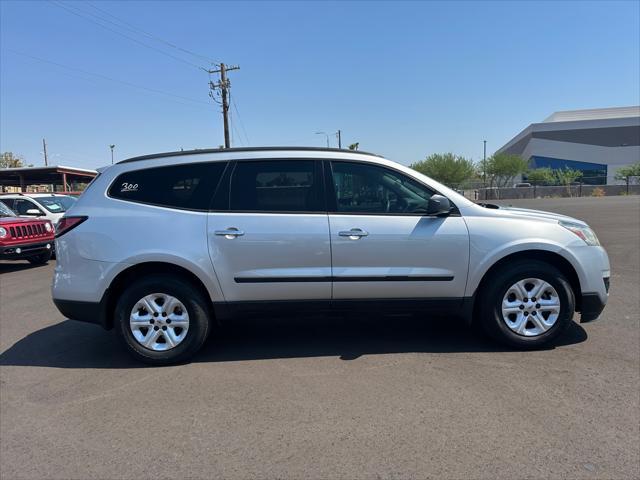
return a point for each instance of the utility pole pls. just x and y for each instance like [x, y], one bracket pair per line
[112, 147]
[46, 159]
[339, 135]
[223, 85]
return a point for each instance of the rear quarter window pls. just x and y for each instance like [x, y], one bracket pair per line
[189, 186]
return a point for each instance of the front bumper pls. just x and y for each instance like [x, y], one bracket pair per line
[21, 251]
[592, 305]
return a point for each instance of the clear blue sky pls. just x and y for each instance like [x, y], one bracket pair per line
[403, 79]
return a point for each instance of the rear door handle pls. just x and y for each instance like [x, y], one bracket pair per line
[230, 233]
[354, 233]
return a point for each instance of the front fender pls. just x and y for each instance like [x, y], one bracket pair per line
[483, 261]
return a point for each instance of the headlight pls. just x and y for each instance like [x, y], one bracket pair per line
[47, 227]
[3, 232]
[584, 232]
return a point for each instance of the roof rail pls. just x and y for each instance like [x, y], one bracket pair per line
[242, 149]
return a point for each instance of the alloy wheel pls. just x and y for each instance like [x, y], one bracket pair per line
[159, 321]
[530, 307]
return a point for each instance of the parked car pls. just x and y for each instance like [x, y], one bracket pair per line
[24, 238]
[47, 205]
[522, 185]
[161, 246]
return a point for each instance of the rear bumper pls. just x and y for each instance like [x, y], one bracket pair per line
[19, 251]
[89, 312]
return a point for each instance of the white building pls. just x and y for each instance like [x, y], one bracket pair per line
[597, 142]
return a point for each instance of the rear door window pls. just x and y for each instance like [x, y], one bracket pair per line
[189, 186]
[276, 186]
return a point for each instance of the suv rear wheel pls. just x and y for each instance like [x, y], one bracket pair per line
[162, 319]
[527, 304]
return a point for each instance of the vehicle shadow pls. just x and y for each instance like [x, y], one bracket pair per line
[16, 266]
[71, 344]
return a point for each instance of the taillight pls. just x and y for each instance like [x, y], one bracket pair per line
[68, 223]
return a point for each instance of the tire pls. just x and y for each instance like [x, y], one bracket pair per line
[156, 289]
[518, 326]
[40, 259]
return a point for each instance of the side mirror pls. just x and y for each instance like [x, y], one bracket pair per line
[438, 206]
[34, 212]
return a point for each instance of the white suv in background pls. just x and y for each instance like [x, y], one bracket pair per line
[161, 246]
[51, 206]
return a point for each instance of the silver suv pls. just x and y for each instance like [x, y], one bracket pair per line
[161, 246]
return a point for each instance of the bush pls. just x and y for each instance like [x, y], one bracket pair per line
[597, 192]
[540, 176]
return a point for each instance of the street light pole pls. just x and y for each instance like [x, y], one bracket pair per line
[112, 147]
[326, 135]
[484, 163]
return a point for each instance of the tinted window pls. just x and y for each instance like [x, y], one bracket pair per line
[189, 186]
[21, 206]
[8, 202]
[275, 186]
[5, 211]
[362, 188]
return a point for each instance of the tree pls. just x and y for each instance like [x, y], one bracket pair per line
[566, 176]
[9, 160]
[541, 176]
[452, 170]
[502, 168]
[630, 173]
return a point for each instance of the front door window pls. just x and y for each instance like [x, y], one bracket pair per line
[369, 189]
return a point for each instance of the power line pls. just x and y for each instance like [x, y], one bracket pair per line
[104, 77]
[235, 107]
[234, 131]
[133, 28]
[220, 88]
[83, 14]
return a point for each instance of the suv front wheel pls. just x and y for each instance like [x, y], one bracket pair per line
[526, 304]
[162, 319]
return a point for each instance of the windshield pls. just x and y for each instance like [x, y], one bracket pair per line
[56, 204]
[6, 211]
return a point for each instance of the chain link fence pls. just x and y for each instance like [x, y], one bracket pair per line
[583, 187]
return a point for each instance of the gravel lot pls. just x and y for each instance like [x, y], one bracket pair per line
[395, 397]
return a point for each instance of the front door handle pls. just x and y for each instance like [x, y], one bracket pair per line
[230, 233]
[354, 233]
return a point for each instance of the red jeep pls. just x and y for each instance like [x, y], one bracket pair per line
[24, 238]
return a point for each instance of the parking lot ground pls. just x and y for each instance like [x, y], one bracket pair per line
[328, 397]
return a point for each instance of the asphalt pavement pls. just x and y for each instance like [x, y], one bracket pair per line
[328, 397]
